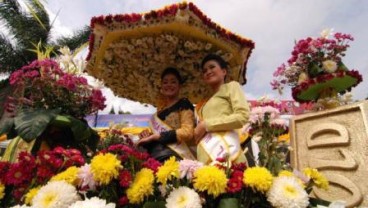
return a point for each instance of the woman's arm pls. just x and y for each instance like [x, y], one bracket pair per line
[240, 114]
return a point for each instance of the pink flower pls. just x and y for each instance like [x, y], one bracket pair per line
[275, 84]
[188, 167]
[279, 71]
[86, 177]
[278, 122]
[97, 100]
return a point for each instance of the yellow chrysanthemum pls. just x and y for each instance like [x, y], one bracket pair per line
[70, 175]
[105, 167]
[141, 187]
[318, 178]
[286, 173]
[30, 195]
[284, 138]
[2, 191]
[168, 171]
[210, 179]
[258, 178]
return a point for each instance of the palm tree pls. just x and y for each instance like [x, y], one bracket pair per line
[28, 29]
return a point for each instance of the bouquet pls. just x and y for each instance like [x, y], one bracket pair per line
[43, 84]
[50, 106]
[316, 70]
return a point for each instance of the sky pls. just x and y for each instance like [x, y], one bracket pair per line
[273, 25]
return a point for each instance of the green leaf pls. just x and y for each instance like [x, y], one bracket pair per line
[314, 70]
[158, 204]
[6, 124]
[229, 203]
[81, 130]
[314, 202]
[30, 124]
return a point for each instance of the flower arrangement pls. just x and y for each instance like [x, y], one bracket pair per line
[122, 176]
[267, 128]
[46, 166]
[50, 105]
[43, 84]
[315, 69]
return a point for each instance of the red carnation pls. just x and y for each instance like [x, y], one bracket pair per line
[125, 178]
[44, 173]
[18, 175]
[123, 201]
[109, 18]
[152, 164]
[234, 185]
[239, 166]
[4, 166]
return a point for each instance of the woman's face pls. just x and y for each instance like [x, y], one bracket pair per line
[212, 73]
[170, 86]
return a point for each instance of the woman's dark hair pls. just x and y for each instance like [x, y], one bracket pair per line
[214, 57]
[173, 71]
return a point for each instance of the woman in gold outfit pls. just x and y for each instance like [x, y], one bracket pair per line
[221, 115]
[172, 126]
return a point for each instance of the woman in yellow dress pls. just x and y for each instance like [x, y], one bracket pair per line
[171, 128]
[221, 115]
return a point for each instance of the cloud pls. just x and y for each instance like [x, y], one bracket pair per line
[273, 25]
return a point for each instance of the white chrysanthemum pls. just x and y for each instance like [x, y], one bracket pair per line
[183, 197]
[93, 202]
[287, 192]
[21, 206]
[56, 194]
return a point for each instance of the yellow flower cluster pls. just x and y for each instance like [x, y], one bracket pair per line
[70, 175]
[210, 179]
[30, 195]
[285, 173]
[318, 179]
[168, 171]
[141, 187]
[2, 191]
[105, 167]
[258, 178]
[284, 138]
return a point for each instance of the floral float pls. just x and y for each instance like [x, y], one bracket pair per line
[316, 70]
[129, 52]
[120, 175]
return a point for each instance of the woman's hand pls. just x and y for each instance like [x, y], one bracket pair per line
[152, 137]
[200, 131]
[144, 134]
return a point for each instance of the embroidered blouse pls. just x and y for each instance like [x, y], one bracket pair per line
[180, 117]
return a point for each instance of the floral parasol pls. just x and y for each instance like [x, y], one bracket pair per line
[129, 52]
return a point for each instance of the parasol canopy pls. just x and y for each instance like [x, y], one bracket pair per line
[128, 52]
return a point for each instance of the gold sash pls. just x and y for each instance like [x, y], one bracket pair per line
[158, 126]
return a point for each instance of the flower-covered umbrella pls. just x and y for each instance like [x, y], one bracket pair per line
[129, 52]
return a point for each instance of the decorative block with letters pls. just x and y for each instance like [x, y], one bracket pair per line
[336, 143]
